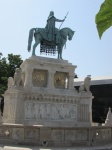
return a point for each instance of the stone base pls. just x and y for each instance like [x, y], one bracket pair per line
[47, 96]
[54, 136]
[53, 110]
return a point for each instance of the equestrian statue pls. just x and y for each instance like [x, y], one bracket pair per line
[50, 38]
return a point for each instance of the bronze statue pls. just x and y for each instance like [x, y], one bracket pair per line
[50, 38]
[50, 27]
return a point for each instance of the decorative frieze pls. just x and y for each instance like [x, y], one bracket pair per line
[48, 136]
[51, 98]
[50, 111]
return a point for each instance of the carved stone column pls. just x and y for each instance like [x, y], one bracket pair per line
[28, 77]
[71, 81]
[50, 83]
[90, 108]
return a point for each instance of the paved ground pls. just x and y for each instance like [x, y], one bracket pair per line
[7, 147]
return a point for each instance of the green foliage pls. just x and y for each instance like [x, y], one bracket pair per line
[104, 17]
[7, 69]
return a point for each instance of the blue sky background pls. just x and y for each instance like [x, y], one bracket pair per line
[91, 55]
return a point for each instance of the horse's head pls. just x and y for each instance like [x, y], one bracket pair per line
[70, 34]
[67, 32]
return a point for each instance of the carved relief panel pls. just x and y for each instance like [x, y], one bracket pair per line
[103, 133]
[18, 133]
[61, 80]
[57, 135]
[39, 78]
[32, 133]
[81, 135]
[50, 111]
[70, 135]
[5, 132]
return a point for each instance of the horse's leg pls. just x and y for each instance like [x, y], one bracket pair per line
[61, 55]
[34, 47]
[61, 47]
[58, 52]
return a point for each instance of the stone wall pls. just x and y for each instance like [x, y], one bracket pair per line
[52, 136]
[47, 109]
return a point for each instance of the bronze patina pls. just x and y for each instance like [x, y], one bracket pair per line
[50, 38]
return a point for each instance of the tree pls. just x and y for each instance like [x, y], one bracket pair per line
[0, 54]
[104, 17]
[7, 69]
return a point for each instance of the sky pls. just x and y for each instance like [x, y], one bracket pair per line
[91, 55]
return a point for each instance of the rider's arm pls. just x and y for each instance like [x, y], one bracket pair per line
[58, 20]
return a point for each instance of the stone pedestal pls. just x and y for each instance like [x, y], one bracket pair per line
[47, 97]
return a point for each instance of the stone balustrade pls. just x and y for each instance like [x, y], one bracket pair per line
[55, 136]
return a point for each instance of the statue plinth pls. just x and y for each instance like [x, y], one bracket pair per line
[47, 96]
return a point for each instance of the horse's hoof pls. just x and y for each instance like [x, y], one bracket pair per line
[33, 55]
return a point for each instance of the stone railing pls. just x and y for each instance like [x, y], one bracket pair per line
[55, 136]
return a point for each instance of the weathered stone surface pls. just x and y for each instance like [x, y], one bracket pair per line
[47, 96]
[55, 136]
[18, 133]
[108, 121]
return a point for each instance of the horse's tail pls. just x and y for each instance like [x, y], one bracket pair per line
[30, 39]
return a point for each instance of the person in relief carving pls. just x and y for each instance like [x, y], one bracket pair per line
[18, 77]
[50, 26]
[33, 110]
[28, 111]
[63, 111]
[85, 85]
[47, 111]
[72, 112]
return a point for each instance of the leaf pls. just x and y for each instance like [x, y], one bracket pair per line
[103, 18]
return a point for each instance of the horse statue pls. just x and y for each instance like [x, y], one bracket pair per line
[39, 35]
